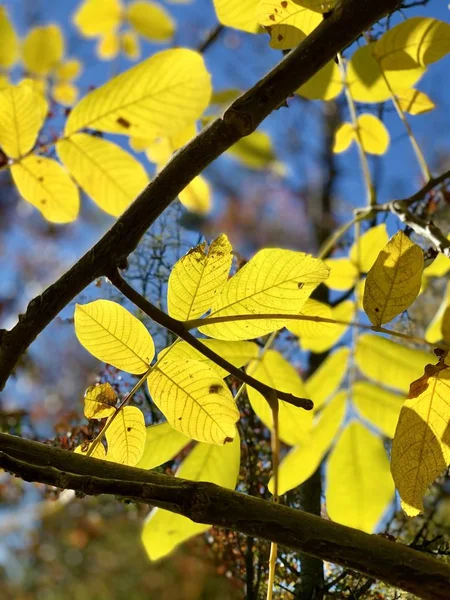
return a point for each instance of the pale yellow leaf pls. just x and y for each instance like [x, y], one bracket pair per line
[359, 483]
[328, 377]
[198, 278]
[125, 436]
[273, 281]
[365, 250]
[69, 70]
[130, 45]
[414, 102]
[343, 138]
[160, 96]
[65, 93]
[329, 334]
[326, 84]
[438, 329]
[278, 373]
[43, 49]
[98, 17]
[160, 150]
[162, 443]
[99, 451]
[112, 177]
[108, 46]
[377, 405]
[45, 184]
[9, 47]
[311, 329]
[240, 14]
[394, 280]
[150, 20]
[196, 196]
[374, 135]
[254, 150]
[287, 22]
[343, 274]
[99, 401]
[112, 334]
[195, 400]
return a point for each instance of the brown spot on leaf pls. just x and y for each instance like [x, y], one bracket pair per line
[279, 38]
[43, 201]
[40, 179]
[300, 285]
[128, 428]
[272, 17]
[123, 122]
[377, 309]
[215, 388]
[227, 440]
[284, 4]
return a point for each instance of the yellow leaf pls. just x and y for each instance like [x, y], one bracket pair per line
[164, 530]
[254, 151]
[160, 96]
[108, 46]
[273, 281]
[99, 451]
[394, 280]
[99, 401]
[439, 267]
[45, 184]
[150, 20]
[287, 22]
[195, 400]
[311, 329]
[365, 250]
[326, 84]
[377, 405]
[323, 338]
[343, 274]
[388, 363]
[239, 14]
[374, 135]
[343, 137]
[65, 93]
[225, 97]
[320, 6]
[196, 196]
[43, 49]
[9, 48]
[126, 436]
[112, 334]
[359, 483]
[39, 87]
[366, 80]
[198, 278]
[21, 118]
[98, 17]
[303, 460]
[160, 150]
[69, 70]
[162, 443]
[130, 45]
[237, 353]
[421, 446]
[328, 377]
[275, 371]
[414, 102]
[108, 174]
[416, 42]
[438, 329]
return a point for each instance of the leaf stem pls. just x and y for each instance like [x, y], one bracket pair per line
[275, 443]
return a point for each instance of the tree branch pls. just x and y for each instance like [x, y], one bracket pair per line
[372, 555]
[345, 23]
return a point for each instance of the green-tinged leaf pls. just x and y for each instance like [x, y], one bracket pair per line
[164, 530]
[326, 84]
[195, 400]
[328, 377]
[112, 334]
[377, 405]
[287, 22]
[225, 97]
[275, 371]
[99, 451]
[393, 282]
[254, 151]
[43, 49]
[198, 278]
[150, 20]
[421, 446]
[107, 173]
[196, 196]
[438, 330]
[414, 102]
[99, 401]
[343, 274]
[273, 281]
[46, 185]
[302, 461]
[9, 48]
[126, 436]
[359, 483]
[389, 363]
[98, 17]
[320, 6]
[162, 443]
[239, 14]
[160, 96]
[365, 250]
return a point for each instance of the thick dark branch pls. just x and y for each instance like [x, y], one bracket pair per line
[372, 555]
[345, 23]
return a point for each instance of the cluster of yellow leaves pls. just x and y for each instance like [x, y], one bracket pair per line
[118, 27]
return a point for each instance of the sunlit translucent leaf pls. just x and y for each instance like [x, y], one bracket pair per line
[372, 132]
[20, 119]
[198, 278]
[328, 377]
[326, 84]
[158, 97]
[39, 87]
[254, 151]
[160, 150]
[4, 80]
[237, 353]
[366, 79]
[311, 329]
[389, 363]
[69, 70]
[377, 405]
[126, 436]
[65, 93]
[9, 47]
[394, 280]
[98, 452]
[45, 184]
[195, 400]
[99, 401]
[438, 330]
[196, 196]
[414, 102]
[43, 49]
[302, 461]
[343, 137]
[239, 14]
[98, 17]
[273, 281]
[325, 337]
[287, 22]
[112, 334]
[108, 174]
[421, 446]
[343, 274]
[162, 443]
[277, 372]
[164, 530]
[359, 483]
[150, 20]
[417, 41]
[365, 250]
[130, 45]
[108, 46]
